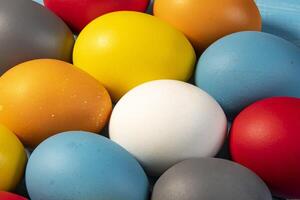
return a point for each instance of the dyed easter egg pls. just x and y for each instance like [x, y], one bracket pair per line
[245, 67]
[150, 7]
[281, 18]
[39, 1]
[265, 138]
[81, 165]
[166, 121]
[124, 49]
[10, 196]
[78, 14]
[210, 178]
[43, 97]
[30, 31]
[12, 160]
[206, 21]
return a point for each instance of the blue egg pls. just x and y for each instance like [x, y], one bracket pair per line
[39, 1]
[244, 67]
[150, 7]
[84, 166]
[282, 18]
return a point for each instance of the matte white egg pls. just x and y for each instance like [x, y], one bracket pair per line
[166, 121]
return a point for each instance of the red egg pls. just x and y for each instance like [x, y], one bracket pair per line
[265, 137]
[10, 196]
[78, 13]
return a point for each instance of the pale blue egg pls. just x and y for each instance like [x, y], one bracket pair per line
[150, 7]
[84, 166]
[282, 18]
[39, 1]
[244, 67]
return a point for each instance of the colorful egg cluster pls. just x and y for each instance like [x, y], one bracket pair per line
[101, 101]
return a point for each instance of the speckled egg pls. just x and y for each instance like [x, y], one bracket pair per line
[43, 97]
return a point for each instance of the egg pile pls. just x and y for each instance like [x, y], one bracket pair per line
[140, 100]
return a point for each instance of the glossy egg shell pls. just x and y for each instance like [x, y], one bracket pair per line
[244, 67]
[124, 49]
[166, 121]
[78, 14]
[43, 97]
[30, 31]
[265, 138]
[206, 21]
[80, 165]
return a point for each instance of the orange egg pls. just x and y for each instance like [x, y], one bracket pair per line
[205, 21]
[40, 98]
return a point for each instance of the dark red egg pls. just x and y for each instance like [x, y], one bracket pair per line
[78, 13]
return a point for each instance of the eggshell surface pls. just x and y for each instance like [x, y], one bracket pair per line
[43, 97]
[12, 159]
[39, 1]
[166, 121]
[30, 31]
[206, 21]
[78, 13]
[124, 49]
[10, 196]
[80, 165]
[265, 138]
[210, 178]
[244, 67]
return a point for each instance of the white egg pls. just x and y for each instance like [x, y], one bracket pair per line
[166, 121]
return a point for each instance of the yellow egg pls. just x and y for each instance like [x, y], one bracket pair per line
[40, 98]
[12, 159]
[124, 49]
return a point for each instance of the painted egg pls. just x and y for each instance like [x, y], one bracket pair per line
[206, 21]
[12, 160]
[265, 138]
[150, 7]
[30, 31]
[80, 165]
[39, 1]
[124, 49]
[166, 121]
[210, 178]
[281, 18]
[248, 66]
[43, 97]
[10, 196]
[78, 14]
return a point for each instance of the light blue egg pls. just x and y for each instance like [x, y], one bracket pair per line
[84, 166]
[150, 7]
[282, 18]
[244, 67]
[39, 1]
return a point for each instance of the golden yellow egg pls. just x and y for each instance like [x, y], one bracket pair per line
[124, 49]
[12, 159]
